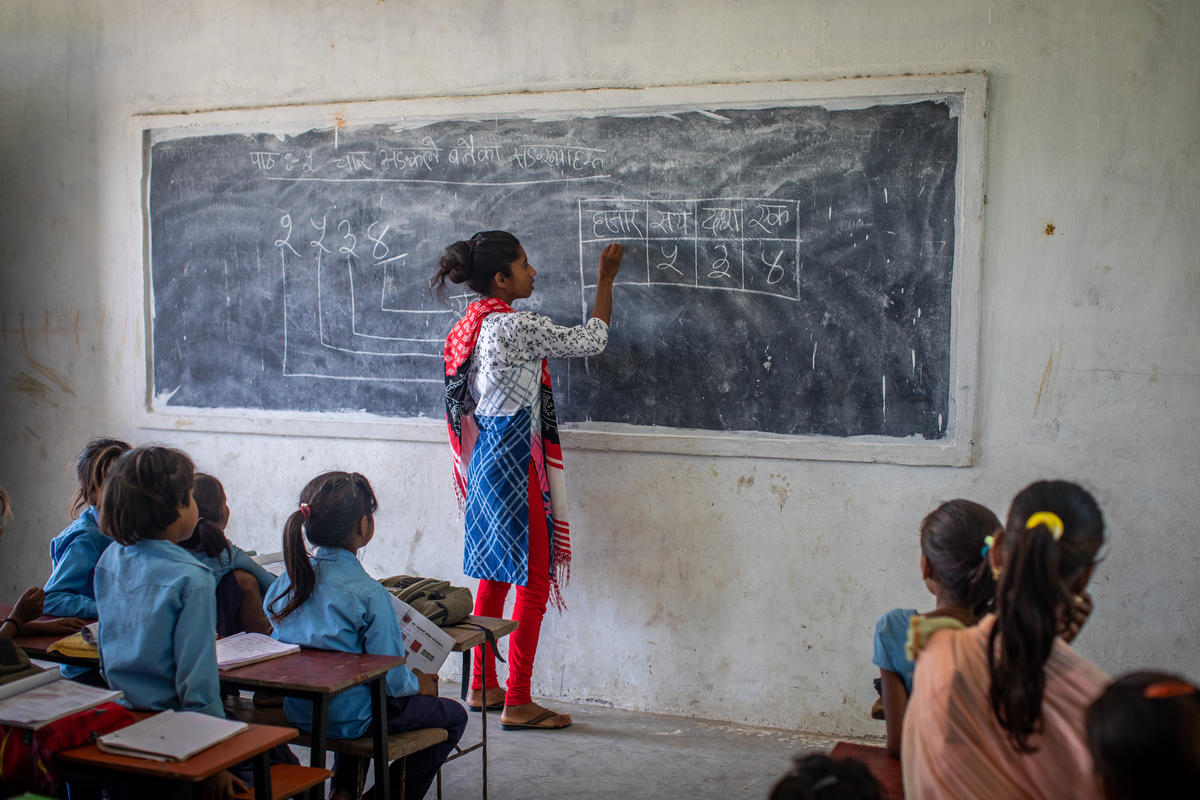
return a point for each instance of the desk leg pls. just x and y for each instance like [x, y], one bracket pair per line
[262, 776]
[379, 733]
[320, 708]
[483, 713]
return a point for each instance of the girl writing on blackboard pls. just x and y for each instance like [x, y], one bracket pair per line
[508, 465]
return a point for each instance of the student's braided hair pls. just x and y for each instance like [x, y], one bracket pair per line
[209, 536]
[1053, 533]
[91, 468]
[143, 493]
[330, 507]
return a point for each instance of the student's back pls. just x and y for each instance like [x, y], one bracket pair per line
[164, 658]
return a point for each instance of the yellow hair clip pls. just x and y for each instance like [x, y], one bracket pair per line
[1052, 521]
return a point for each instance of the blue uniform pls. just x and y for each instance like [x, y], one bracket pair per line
[227, 561]
[158, 623]
[348, 611]
[891, 632]
[73, 554]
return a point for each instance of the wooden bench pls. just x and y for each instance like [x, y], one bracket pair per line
[288, 780]
[399, 745]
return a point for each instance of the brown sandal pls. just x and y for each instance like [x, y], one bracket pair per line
[532, 724]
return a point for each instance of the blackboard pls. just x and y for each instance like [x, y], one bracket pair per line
[788, 268]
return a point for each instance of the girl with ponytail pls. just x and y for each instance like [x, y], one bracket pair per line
[241, 581]
[328, 601]
[998, 709]
[955, 538]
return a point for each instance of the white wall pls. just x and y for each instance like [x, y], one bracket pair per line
[733, 588]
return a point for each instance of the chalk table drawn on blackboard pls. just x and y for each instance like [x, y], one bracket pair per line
[735, 244]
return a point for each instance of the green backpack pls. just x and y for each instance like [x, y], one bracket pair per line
[436, 600]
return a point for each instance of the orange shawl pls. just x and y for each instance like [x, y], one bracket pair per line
[953, 747]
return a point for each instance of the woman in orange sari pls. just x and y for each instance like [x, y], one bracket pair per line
[997, 710]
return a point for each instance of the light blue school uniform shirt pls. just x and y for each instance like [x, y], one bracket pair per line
[348, 611]
[73, 554]
[158, 627]
[227, 561]
[891, 633]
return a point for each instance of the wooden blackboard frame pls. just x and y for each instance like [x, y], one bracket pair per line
[966, 93]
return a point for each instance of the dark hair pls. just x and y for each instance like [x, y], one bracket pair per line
[819, 777]
[143, 493]
[91, 468]
[5, 508]
[476, 261]
[952, 539]
[1034, 591]
[209, 534]
[1146, 746]
[330, 506]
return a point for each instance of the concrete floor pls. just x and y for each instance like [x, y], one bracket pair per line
[611, 753]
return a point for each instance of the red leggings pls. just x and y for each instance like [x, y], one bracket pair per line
[529, 608]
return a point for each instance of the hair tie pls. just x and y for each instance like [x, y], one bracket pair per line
[1052, 521]
[305, 510]
[988, 541]
[1164, 689]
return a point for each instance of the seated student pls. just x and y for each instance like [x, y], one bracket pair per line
[156, 602]
[819, 777]
[1144, 736]
[22, 620]
[329, 601]
[75, 551]
[241, 582]
[954, 539]
[1011, 725]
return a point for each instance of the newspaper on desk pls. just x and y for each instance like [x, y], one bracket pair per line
[426, 645]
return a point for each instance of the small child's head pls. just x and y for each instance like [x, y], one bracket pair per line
[1144, 734]
[1047, 552]
[209, 535]
[91, 468]
[819, 777]
[336, 509]
[148, 495]
[953, 546]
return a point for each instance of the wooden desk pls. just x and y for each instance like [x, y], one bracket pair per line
[313, 675]
[473, 632]
[254, 743]
[885, 768]
[316, 676]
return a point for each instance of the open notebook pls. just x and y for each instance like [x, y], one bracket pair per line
[170, 735]
[44, 697]
[247, 648]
